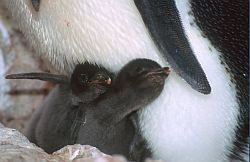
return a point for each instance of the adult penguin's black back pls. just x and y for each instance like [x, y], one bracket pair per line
[225, 24]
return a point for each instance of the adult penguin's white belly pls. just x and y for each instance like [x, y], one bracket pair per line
[109, 32]
[182, 125]
[185, 126]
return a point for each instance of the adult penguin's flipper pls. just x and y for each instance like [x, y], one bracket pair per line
[162, 20]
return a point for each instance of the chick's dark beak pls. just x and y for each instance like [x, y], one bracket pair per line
[161, 71]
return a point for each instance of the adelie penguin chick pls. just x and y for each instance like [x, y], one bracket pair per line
[56, 122]
[107, 124]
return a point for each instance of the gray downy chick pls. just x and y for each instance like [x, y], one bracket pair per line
[104, 120]
[55, 123]
[108, 123]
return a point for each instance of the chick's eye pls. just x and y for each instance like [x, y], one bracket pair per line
[36, 4]
[99, 77]
[83, 79]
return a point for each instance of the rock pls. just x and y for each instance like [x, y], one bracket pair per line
[79, 152]
[10, 136]
[15, 147]
[13, 153]
[86, 153]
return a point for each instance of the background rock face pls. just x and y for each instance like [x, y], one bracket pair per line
[18, 98]
[14, 147]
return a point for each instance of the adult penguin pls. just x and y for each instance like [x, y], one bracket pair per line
[205, 42]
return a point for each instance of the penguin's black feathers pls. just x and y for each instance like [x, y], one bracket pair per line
[161, 17]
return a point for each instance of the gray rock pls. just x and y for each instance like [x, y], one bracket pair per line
[10, 136]
[17, 97]
[14, 153]
[15, 147]
[77, 151]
